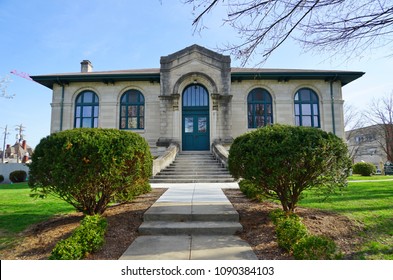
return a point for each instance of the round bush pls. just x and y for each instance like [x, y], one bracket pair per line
[18, 176]
[289, 231]
[282, 161]
[91, 167]
[1, 178]
[315, 248]
[364, 168]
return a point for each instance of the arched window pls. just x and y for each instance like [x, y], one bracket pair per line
[132, 110]
[260, 109]
[195, 96]
[307, 108]
[86, 110]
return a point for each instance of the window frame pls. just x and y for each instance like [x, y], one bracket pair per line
[302, 103]
[81, 104]
[253, 103]
[129, 105]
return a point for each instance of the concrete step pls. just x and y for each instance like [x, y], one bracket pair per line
[194, 167]
[205, 180]
[195, 175]
[220, 212]
[190, 228]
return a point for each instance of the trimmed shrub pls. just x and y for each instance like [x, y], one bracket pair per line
[18, 176]
[289, 231]
[91, 167]
[278, 215]
[1, 178]
[87, 238]
[282, 161]
[315, 248]
[364, 168]
[250, 190]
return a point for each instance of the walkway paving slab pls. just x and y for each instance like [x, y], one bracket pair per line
[190, 221]
[185, 247]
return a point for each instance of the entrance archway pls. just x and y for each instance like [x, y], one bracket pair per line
[195, 118]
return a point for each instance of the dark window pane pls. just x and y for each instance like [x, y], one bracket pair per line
[87, 97]
[141, 123]
[188, 125]
[259, 121]
[133, 97]
[124, 98]
[305, 96]
[132, 122]
[250, 124]
[123, 123]
[202, 124]
[195, 95]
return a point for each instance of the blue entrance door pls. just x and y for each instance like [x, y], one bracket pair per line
[195, 119]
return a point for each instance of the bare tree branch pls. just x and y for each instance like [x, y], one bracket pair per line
[339, 26]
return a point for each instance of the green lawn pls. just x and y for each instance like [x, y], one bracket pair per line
[18, 210]
[369, 203]
[370, 178]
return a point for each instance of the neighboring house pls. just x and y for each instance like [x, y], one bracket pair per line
[19, 152]
[196, 98]
[366, 145]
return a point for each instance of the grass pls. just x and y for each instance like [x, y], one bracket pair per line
[356, 177]
[371, 204]
[18, 211]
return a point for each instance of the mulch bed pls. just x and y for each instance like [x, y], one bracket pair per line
[123, 221]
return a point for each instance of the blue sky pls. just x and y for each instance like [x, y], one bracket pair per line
[54, 36]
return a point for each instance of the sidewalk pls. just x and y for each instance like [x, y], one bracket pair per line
[190, 222]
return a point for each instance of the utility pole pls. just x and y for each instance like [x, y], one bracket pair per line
[19, 137]
[5, 139]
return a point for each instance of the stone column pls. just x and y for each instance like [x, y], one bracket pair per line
[165, 101]
[226, 114]
[176, 117]
[214, 117]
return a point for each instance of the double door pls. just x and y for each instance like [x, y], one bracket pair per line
[196, 130]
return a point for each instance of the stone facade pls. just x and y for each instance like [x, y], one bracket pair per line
[227, 88]
[368, 144]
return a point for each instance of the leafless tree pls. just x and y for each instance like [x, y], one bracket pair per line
[347, 27]
[380, 113]
[4, 87]
[353, 121]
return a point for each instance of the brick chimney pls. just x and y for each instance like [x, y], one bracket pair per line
[24, 145]
[86, 66]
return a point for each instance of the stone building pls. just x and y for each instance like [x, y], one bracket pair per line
[196, 98]
[368, 144]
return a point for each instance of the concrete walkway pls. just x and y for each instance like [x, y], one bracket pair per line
[190, 222]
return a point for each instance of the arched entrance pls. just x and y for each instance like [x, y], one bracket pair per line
[195, 118]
